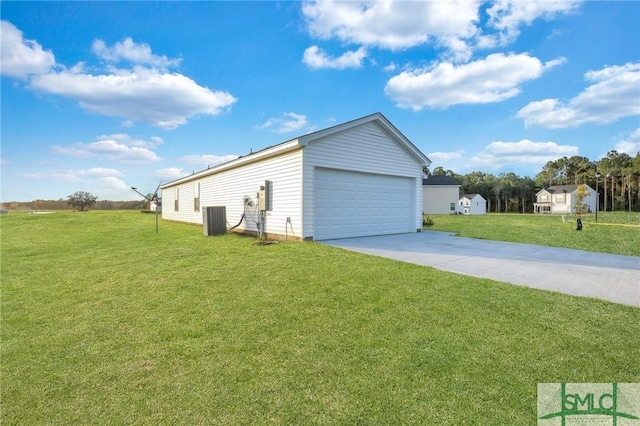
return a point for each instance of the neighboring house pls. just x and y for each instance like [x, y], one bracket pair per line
[440, 195]
[561, 199]
[472, 204]
[359, 178]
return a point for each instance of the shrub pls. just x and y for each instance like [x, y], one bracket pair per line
[427, 221]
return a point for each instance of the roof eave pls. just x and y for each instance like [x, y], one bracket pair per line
[279, 149]
[304, 141]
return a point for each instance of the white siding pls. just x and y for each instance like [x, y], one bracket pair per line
[566, 203]
[475, 205]
[365, 148]
[437, 199]
[229, 188]
[591, 200]
[186, 193]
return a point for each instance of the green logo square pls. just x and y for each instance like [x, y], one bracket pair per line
[567, 404]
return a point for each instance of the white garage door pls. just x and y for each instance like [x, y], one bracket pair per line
[352, 204]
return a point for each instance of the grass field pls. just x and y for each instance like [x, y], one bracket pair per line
[105, 322]
[615, 233]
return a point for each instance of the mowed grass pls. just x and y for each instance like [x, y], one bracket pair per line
[105, 322]
[614, 233]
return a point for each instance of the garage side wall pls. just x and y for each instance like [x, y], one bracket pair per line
[437, 199]
[231, 187]
[366, 148]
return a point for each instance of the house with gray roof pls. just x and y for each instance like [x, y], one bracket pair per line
[472, 204]
[440, 195]
[561, 199]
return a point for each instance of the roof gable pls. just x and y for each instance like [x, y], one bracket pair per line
[471, 196]
[302, 141]
[379, 120]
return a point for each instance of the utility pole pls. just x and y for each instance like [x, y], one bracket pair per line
[153, 198]
[597, 195]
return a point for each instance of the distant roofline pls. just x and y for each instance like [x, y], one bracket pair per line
[440, 180]
[470, 196]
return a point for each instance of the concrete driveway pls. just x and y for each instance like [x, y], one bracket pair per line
[580, 273]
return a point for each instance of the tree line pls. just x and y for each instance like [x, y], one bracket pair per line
[63, 204]
[617, 177]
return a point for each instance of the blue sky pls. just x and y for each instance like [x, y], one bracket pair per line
[102, 96]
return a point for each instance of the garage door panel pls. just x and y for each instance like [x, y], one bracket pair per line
[351, 204]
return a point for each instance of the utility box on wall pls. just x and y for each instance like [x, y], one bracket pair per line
[264, 196]
[214, 220]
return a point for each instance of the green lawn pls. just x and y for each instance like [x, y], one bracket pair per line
[615, 233]
[105, 322]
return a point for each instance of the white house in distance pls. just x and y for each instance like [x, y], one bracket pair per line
[472, 204]
[440, 195]
[359, 178]
[561, 199]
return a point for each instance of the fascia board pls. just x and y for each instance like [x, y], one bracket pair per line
[381, 121]
[240, 161]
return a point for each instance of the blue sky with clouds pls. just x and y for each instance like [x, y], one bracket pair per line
[102, 96]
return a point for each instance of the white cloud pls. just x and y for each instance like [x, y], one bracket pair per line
[130, 51]
[500, 154]
[112, 187]
[631, 145]
[98, 172]
[314, 57]
[453, 26]
[125, 139]
[169, 174]
[21, 57]
[208, 160]
[493, 79]
[103, 181]
[445, 157]
[394, 25]
[615, 93]
[291, 122]
[76, 175]
[118, 147]
[107, 183]
[453, 160]
[390, 68]
[146, 95]
[507, 16]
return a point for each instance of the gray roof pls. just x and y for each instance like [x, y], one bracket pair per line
[470, 196]
[562, 188]
[440, 180]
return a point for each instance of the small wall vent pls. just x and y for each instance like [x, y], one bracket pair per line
[214, 220]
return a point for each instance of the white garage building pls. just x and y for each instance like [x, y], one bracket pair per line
[359, 178]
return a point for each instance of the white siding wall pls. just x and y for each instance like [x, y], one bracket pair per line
[437, 199]
[228, 188]
[366, 148]
[477, 205]
[561, 202]
[591, 200]
[568, 205]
